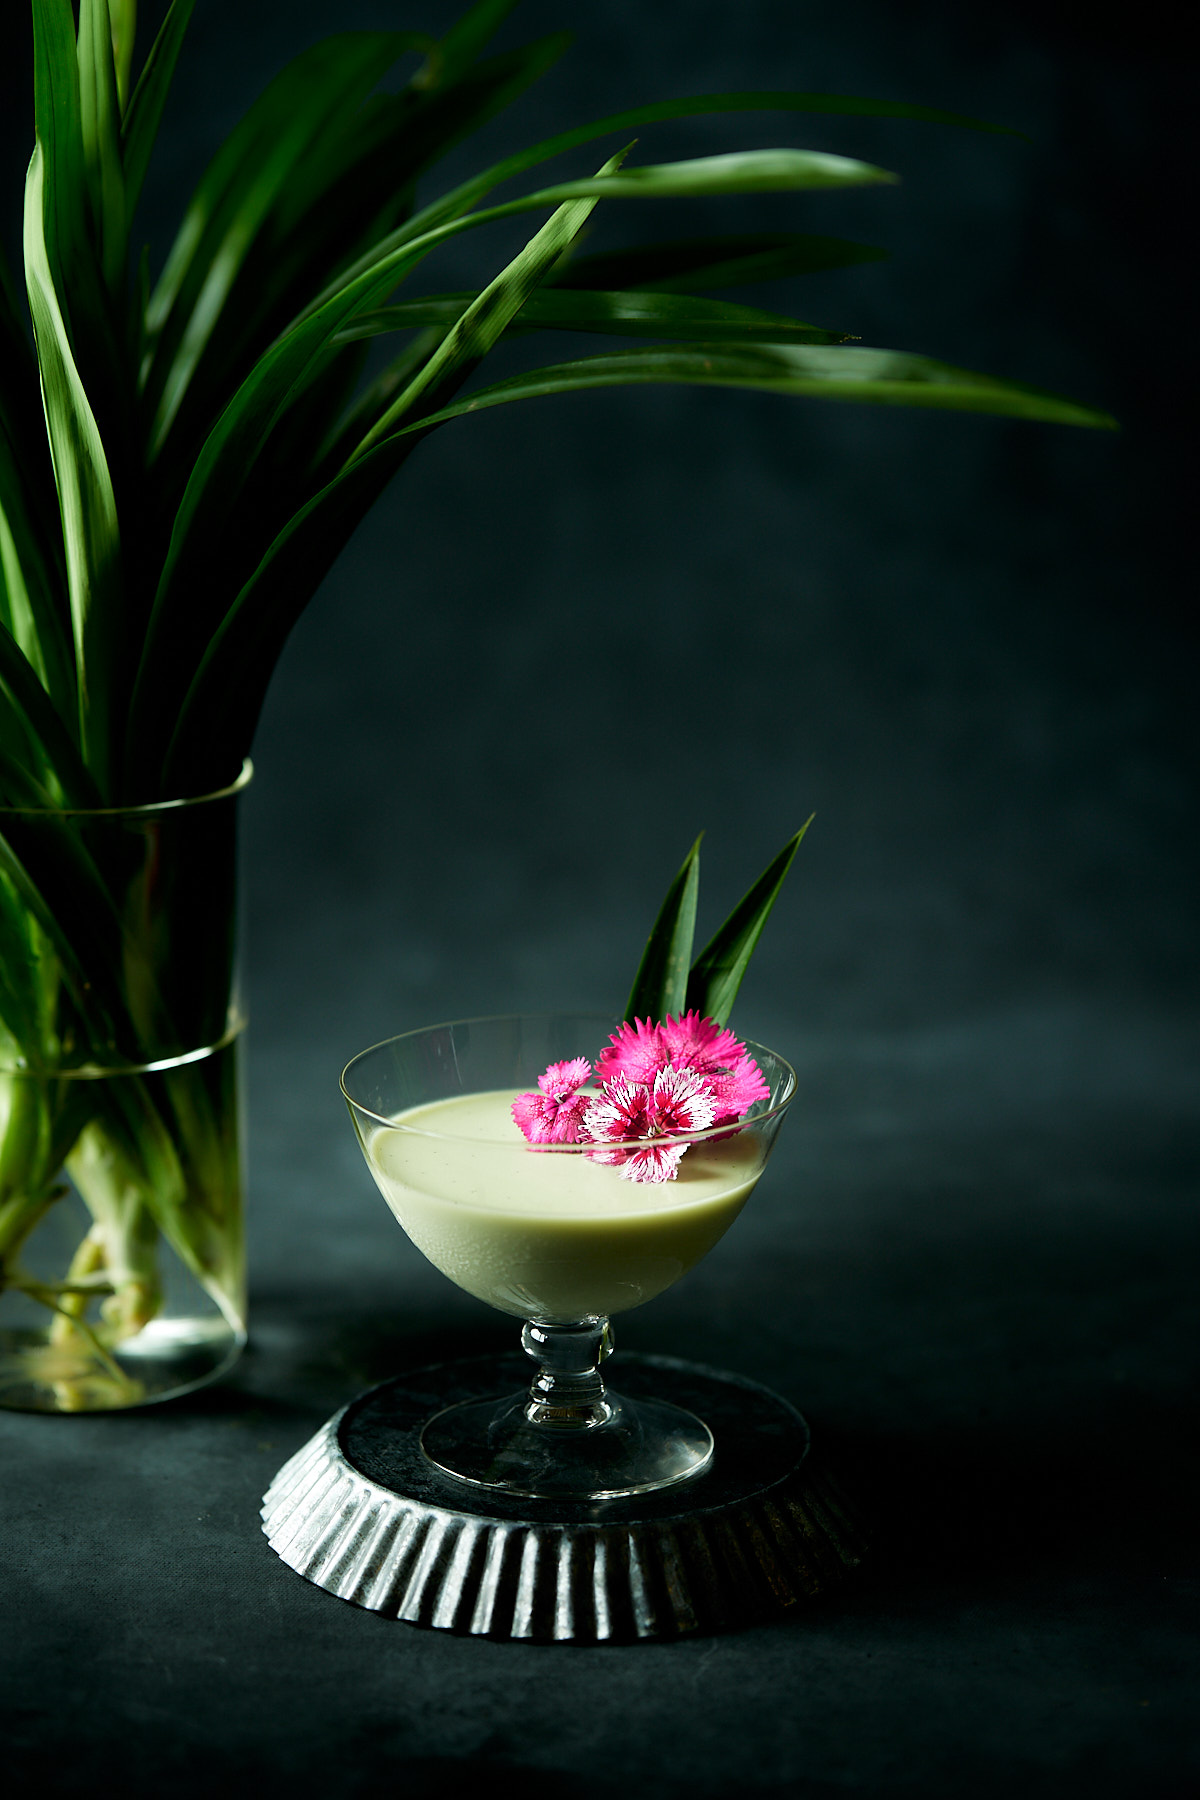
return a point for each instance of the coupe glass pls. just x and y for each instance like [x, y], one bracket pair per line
[551, 1236]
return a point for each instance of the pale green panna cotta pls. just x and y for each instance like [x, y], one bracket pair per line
[549, 1234]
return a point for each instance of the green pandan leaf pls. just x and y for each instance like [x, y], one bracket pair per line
[628, 314]
[471, 34]
[660, 985]
[683, 266]
[100, 118]
[233, 671]
[236, 194]
[85, 494]
[239, 434]
[144, 112]
[123, 29]
[189, 621]
[66, 896]
[217, 714]
[67, 231]
[59, 131]
[357, 184]
[737, 172]
[741, 172]
[489, 313]
[32, 591]
[717, 972]
[218, 414]
[847, 372]
[25, 701]
[693, 106]
[338, 203]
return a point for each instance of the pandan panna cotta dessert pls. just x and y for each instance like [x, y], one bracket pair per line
[597, 1191]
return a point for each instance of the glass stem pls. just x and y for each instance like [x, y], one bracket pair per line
[567, 1392]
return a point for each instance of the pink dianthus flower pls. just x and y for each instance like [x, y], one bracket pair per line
[695, 1043]
[677, 1101]
[617, 1114]
[638, 1051]
[657, 1081]
[553, 1115]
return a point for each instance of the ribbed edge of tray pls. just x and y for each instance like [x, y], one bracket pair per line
[595, 1583]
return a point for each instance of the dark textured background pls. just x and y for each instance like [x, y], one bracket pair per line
[577, 632]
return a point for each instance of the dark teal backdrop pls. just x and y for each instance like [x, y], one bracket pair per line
[576, 633]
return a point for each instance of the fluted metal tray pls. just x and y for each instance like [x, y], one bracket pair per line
[360, 1512]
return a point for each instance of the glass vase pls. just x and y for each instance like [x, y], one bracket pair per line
[122, 1262]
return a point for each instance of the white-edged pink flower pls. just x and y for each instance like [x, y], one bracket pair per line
[680, 1100]
[677, 1101]
[615, 1115]
[657, 1082]
[553, 1115]
[655, 1162]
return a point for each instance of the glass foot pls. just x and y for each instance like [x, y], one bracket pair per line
[569, 1437]
[640, 1446]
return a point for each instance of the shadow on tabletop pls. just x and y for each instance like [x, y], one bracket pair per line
[1116, 1493]
[973, 1505]
[304, 1366]
[376, 1754]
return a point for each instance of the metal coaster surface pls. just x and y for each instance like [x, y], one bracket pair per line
[362, 1513]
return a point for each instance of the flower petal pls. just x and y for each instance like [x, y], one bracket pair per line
[617, 1113]
[636, 1053]
[547, 1121]
[736, 1092]
[681, 1100]
[562, 1079]
[695, 1043]
[656, 1162]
